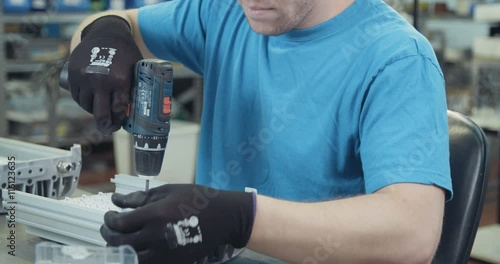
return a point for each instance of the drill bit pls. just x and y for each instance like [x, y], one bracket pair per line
[146, 179]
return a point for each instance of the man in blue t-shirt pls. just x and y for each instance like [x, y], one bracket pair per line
[334, 111]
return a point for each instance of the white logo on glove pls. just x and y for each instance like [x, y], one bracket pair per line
[187, 231]
[97, 59]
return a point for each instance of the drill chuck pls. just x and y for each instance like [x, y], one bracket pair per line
[148, 162]
[149, 152]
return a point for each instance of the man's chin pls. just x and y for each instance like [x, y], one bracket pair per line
[266, 30]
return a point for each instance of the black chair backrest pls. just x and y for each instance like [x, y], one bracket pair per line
[469, 160]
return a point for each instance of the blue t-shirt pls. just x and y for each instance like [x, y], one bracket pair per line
[340, 109]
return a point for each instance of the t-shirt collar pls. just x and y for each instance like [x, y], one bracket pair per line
[355, 12]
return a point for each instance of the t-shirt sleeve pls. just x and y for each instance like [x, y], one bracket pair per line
[404, 126]
[175, 31]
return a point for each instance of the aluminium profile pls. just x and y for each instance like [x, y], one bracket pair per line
[39, 170]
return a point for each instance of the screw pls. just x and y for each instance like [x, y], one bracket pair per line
[65, 167]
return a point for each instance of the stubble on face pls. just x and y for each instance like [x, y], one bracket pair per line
[284, 15]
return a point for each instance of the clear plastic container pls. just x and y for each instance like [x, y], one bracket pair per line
[52, 253]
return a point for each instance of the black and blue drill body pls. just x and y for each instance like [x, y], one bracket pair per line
[149, 112]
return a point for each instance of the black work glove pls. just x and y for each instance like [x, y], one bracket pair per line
[180, 223]
[101, 71]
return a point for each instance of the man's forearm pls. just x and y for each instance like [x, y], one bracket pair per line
[375, 228]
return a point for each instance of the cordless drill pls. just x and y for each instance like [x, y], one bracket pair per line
[148, 112]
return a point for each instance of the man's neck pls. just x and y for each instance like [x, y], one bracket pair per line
[324, 11]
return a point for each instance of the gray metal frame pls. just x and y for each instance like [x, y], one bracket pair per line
[39, 170]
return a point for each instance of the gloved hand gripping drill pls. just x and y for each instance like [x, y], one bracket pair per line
[101, 69]
[174, 223]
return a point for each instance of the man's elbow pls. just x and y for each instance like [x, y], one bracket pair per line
[423, 240]
[422, 213]
[422, 247]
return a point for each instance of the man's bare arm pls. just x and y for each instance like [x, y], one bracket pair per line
[131, 16]
[398, 224]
